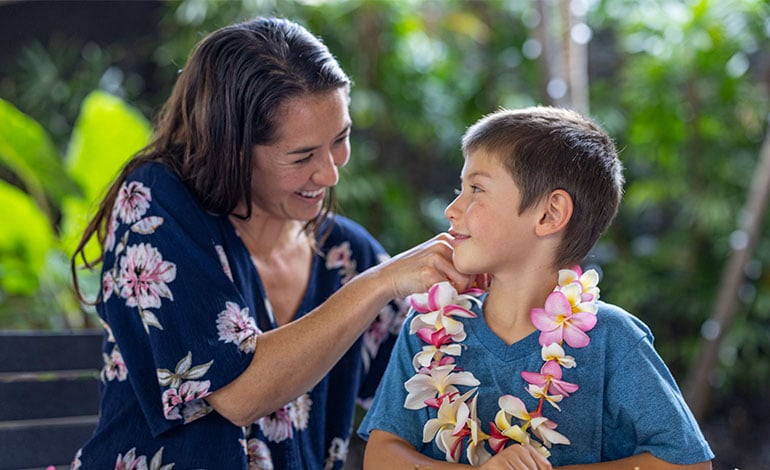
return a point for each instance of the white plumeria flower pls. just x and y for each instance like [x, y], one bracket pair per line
[589, 281]
[436, 321]
[538, 393]
[439, 381]
[544, 429]
[554, 352]
[425, 357]
[574, 293]
[452, 416]
[476, 452]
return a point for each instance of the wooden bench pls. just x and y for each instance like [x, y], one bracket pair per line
[49, 396]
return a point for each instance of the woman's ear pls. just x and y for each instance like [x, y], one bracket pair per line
[557, 212]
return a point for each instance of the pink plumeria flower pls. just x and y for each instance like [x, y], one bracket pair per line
[554, 352]
[558, 323]
[444, 296]
[439, 345]
[440, 380]
[438, 306]
[550, 374]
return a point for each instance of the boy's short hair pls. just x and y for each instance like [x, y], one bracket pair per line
[547, 148]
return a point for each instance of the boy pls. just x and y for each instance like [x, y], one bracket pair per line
[530, 375]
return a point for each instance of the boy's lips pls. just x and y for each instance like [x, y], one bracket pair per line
[458, 237]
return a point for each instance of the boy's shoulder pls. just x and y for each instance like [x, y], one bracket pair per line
[618, 331]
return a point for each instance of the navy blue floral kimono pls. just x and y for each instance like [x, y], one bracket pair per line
[182, 306]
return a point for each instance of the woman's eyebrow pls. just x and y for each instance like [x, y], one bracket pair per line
[310, 149]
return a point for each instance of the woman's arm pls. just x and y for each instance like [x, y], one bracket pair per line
[290, 360]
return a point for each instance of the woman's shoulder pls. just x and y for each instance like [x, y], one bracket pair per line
[155, 174]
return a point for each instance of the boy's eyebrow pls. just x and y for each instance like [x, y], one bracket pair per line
[483, 174]
[310, 149]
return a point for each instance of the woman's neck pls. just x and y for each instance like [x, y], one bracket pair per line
[265, 236]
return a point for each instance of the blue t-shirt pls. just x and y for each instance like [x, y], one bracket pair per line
[182, 305]
[627, 402]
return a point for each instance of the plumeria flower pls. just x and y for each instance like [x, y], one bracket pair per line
[437, 321]
[588, 280]
[512, 406]
[439, 345]
[574, 293]
[438, 306]
[544, 429]
[444, 296]
[452, 415]
[541, 393]
[476, 452]
[446, 360]
[438, 381]
[554, 352]
[558, 323]
[550, 376]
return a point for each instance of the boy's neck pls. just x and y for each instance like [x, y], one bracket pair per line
[507, 307]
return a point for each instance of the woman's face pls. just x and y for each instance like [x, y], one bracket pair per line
[292, 173]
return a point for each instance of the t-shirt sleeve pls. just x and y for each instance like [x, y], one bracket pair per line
[387, 412]
[655, 412]
[180, 327]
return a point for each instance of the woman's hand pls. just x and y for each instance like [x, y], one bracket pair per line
[518, 457]
[417, 269]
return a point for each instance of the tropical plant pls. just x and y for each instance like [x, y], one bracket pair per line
[47, 198]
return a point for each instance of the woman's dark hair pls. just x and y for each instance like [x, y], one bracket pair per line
[224, 102]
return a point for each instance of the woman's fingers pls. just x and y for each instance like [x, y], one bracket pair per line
[417, 269]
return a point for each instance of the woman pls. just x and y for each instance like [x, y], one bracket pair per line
[234, 304]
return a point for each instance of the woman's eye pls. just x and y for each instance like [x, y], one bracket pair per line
[304, 160]
[475, 189]
[456, 191]
[342, 139]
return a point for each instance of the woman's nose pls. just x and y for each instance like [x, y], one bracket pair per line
[328, 172]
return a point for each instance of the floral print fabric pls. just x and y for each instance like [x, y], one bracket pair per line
[182, 306]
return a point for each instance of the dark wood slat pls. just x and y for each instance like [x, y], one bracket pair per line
[49, 396]
[46, 399]
[41, 446]
[25, 351]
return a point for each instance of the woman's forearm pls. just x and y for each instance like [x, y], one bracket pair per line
[292, 359]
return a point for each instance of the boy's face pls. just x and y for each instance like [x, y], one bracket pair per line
[489, 234]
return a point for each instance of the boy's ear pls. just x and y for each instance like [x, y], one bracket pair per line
[557, 212]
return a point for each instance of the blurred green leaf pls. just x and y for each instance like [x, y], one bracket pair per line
[25, 239]
[27, 150]
[106, 134]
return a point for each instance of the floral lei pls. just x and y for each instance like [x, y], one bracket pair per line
[569, 311]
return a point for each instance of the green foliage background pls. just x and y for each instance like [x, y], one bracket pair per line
[681, 85]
